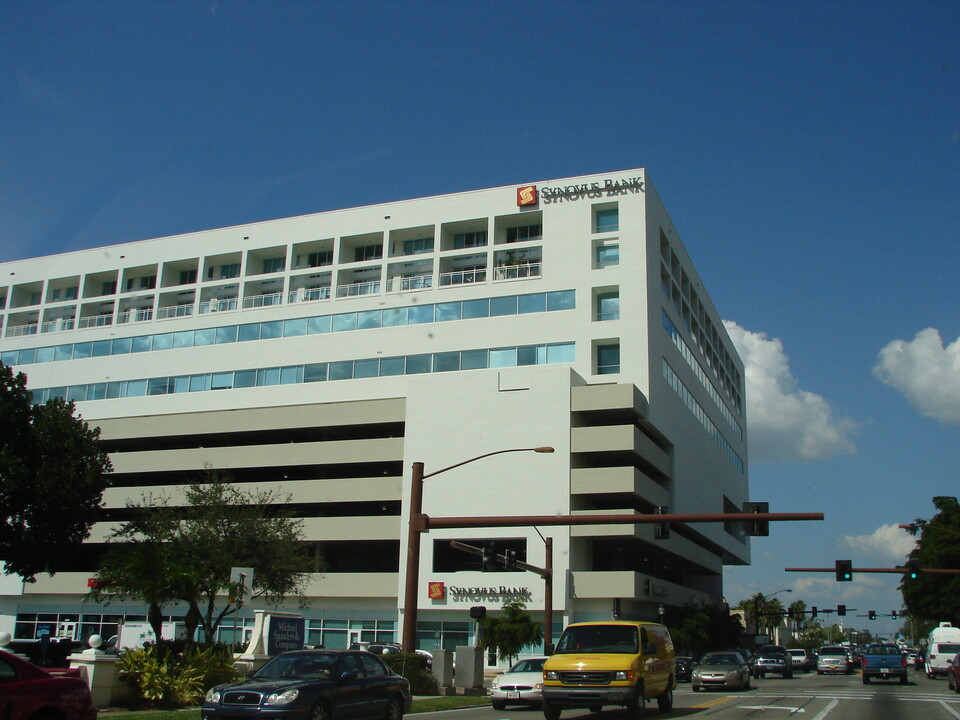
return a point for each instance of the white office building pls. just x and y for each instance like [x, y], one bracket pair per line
[321, 356]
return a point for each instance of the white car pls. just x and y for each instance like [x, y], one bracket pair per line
[801, 659]
[522, 684]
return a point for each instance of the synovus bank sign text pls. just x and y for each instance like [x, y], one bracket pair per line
[591, 190]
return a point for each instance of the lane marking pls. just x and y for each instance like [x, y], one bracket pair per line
[823, 713]
[772, 707]
[711, 703]
[949, 709]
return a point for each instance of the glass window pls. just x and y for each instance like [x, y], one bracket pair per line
[445, 362]
[344, 322]
[476, 309]
[157, 386]
[97, 392]
[608, 305]
[134, 388]
[503, 357]
[249, 332]
[101, 348]
[530, 355]
[271, 330]
[63, 352]
[9, 358]
[318, 325]
[532, 303]
[199, 383]
[447, 311]
[207, 336]
[607, 255]
[244, 378]
[503, 305]
[365, 368]
[181, 384]
[341, 370]
[292, 328]
[417, 364]
[227, 334]
[141, 344]
[419, 314]
[183, 339]
[606, 220]
[221, 380]
[368, 319]
[392, 366]
[46, 354]
[268, 376]
[561, 353]
[80, 350]
[561, 300]
[473, 359]
[76, 393]
[394, 317]
[121, 346]
[315, 372]
[163, 342]
[291, 375]
[608, 359]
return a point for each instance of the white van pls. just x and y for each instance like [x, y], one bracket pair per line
[943, 644]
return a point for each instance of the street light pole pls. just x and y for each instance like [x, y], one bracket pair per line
[756, 609]
[417, 526]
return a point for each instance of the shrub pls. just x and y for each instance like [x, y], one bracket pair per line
[413, 667]
[169, 678]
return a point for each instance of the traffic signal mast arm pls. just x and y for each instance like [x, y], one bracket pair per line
[442, 523]
[502, 559]
[896, 570]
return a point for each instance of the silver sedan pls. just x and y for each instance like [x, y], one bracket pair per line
[727, 670]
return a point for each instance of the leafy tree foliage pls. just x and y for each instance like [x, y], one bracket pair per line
[510, 631]
[185, 553]
[699, 630]
[53, 472]
[936, 596]
[768, 611]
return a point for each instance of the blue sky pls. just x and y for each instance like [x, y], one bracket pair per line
[808, 153]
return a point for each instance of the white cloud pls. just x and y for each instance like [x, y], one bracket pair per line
[785, 422]
[888, 543]
[926, 373]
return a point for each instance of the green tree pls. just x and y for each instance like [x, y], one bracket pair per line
[53, 471]
[186, 552]
[930, 595]
[510, 631]
[770, 613]
[699, 630]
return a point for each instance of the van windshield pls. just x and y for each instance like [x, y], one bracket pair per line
[600, 639]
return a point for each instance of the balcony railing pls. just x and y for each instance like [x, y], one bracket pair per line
[95, 321]
[21, 330]
[258, 301]
[308, 294]
[135, 316]
[413, 282]
[517, 272]
[174, 311]
[371, 287]
[58, 325]
[218, 305]
[461, 277]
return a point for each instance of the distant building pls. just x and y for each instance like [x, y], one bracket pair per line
[322, 355]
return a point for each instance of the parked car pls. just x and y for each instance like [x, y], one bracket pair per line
[27, 691]
[726, 670]
[953, 674]
[522, 684]
[684, 669]
[802, 660]
[834, 659]
[319, 684]
[773, 659]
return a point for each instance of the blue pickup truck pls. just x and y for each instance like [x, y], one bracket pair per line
[882, 662]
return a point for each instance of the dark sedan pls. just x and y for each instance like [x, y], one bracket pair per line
[684, 668]
[314, 685]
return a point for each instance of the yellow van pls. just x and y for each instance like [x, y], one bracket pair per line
[619, 662]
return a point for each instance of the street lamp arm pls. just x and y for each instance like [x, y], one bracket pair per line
[541, 449]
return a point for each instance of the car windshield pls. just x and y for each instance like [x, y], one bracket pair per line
[528, 666]
[305, 665]
[599, 638]
[883, 650]
[720, 659]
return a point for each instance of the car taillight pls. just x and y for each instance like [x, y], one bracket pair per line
[863, 663]
[903, 661]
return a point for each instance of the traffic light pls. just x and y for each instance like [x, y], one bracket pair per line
[893, 614]
[841, 610]
[509, 559]
[844, 569]
[757, 528]
[913, 570]
[661, 531]
[872, 614]
[478, 612]
[813, 612]
[488, 558]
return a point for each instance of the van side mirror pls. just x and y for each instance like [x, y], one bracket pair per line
[649, 649]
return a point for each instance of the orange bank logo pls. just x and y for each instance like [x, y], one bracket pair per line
[527, 195]
[436, 590]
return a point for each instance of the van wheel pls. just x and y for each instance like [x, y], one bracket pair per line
[550, 712]
[595, 708]
[665, 700]
[637, 709]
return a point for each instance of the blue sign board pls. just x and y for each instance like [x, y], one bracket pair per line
[285, 633]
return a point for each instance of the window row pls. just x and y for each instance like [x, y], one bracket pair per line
[317, 372]
[698, 412]
[340, 322]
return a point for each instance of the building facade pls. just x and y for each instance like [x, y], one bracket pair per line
[321, 356]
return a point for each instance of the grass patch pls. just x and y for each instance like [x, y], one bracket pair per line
[420, 705]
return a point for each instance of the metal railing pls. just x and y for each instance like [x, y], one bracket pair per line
[257, 301]
[174, 311]
[141, 315]
[21, 330]
[95, 321]
[58, 325]
[371, 287]
[413, 282]
[517, 272]
[308, 294]
[217, 305]
[462, 277]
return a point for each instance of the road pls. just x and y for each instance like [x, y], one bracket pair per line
[807, 696]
